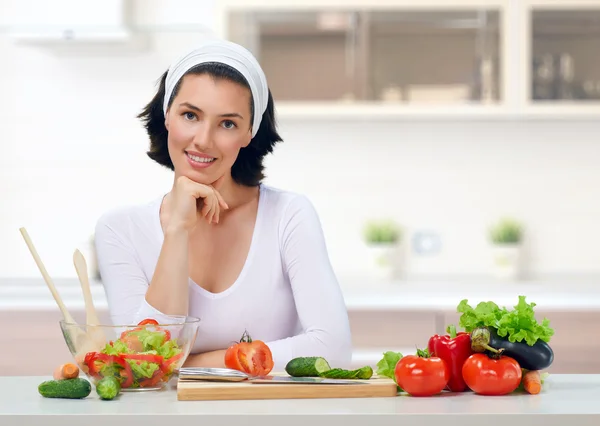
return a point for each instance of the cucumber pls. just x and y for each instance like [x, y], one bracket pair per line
[70, 388]
[363, 373]
[108, 388]
[311, 366]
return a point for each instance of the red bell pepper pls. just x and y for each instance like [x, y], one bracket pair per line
[168, 364]
[454, 349]
[96, 360]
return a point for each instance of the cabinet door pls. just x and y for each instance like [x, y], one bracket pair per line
[442, 55]
[564, 46]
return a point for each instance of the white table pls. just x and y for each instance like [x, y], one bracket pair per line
[572, 400]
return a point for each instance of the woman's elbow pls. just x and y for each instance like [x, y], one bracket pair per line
[339, 350]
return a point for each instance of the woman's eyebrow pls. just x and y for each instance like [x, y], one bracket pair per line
[195, 108]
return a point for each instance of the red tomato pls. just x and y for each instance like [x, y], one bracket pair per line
[422, 375]
[250, 356]
[488, 376]
[132, 342]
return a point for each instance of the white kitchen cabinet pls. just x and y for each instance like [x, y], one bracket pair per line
[434, 58]
[563, 51]
[43, 21]
[112, 26]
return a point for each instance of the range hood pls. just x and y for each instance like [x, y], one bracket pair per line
[70, 21]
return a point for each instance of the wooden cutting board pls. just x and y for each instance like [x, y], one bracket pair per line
[188, 390]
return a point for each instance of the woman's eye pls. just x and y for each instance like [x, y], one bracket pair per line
[228, 124]
[189, 115]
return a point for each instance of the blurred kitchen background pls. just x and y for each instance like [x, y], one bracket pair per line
[452, 149]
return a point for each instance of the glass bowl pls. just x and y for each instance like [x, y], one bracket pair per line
[142, 356]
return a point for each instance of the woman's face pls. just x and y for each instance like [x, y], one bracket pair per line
[208, 123]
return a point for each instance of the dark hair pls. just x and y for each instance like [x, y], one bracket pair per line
[248, 167]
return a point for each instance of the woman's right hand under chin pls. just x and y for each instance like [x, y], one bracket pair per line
[184, 203]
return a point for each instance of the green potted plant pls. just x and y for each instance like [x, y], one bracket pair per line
[383, 239]
[506, 237]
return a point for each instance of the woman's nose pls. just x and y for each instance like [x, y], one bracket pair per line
[203, 136]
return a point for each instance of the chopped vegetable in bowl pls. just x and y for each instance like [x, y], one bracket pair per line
[141, 357]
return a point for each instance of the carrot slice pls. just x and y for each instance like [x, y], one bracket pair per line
[532, 382]
[66, 371]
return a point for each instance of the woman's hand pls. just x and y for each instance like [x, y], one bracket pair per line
[214, 359]
[186, 195]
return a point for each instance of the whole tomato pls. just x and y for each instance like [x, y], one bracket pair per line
[253, 357]
[491, 375]
[422, 374]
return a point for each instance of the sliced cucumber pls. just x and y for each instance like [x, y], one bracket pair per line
[363, 373]
[307, 366]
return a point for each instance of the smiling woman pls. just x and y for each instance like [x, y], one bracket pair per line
[221, 245]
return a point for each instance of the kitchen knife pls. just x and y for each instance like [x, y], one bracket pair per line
[300, 380]
[229, 375]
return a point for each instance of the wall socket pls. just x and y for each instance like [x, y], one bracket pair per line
[426, 243]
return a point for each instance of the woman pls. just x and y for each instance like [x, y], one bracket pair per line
[221, 245]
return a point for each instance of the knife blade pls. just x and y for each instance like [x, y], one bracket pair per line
[300, 380]
[229, 375]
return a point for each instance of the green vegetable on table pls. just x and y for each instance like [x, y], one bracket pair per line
[307, 366]
[363, 373]
[68, 388]
[516, 325]
[319, 367]
[108, 388]
[387, 365]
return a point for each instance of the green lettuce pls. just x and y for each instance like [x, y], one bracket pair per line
[387, 365]
[518, 324]
[142, 369]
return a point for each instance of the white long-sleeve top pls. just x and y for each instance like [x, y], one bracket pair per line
[286, 294]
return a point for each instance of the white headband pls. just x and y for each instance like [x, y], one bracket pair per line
[228, 53]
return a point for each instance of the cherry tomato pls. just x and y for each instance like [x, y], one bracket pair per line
[486, 375]
[422, 374]
[250, 356]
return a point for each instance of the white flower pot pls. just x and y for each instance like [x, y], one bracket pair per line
[506, 261]
[384, 261]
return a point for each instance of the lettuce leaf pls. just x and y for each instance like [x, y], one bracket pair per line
[169, 349]
[387, 365]
[151, 340]
[142, 369]
[517, 325]
[118, 347]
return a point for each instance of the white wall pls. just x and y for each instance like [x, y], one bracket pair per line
[72, 148]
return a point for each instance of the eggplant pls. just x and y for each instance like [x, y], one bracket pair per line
[536, 357]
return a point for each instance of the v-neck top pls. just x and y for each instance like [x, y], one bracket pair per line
[286, 294]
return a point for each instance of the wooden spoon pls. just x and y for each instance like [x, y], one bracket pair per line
[77, 339]
[95, 333]
[66, 315]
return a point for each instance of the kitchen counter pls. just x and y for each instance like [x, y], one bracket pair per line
[566, 399]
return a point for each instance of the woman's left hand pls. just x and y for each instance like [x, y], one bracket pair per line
[214, 359]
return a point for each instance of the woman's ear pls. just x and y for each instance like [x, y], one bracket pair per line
[167, 120]
[247, 140]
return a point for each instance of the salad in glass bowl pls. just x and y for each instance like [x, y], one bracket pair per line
[142, 357]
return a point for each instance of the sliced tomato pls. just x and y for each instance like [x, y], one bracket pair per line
[250, 356]
[132, 342]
